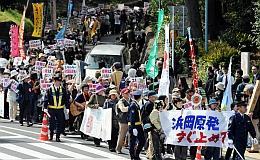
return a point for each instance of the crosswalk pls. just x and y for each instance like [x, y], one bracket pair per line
[53, 151]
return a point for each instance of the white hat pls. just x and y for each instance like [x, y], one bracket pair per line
[7, 71]
[25, 77]
[14, 73]
[220, 86]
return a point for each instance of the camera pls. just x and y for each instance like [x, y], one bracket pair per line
[158, 104]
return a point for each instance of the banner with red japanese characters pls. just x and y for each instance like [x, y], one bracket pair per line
[195, 127]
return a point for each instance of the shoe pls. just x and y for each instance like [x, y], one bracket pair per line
[29, 125]
[112, 150]
[119, 152]
[97, 145]
[252, 151]
[58, 139]
[21, 124]
[11, 120]
[51, 137]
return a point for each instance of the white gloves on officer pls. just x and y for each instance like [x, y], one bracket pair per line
[230, 143]
[255, 141]
[135, 132]
[67, 111]
[45, 110]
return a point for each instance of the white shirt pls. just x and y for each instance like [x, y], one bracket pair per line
[117, 19]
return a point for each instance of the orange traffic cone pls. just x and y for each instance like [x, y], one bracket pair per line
[198, 154]
[44, 131]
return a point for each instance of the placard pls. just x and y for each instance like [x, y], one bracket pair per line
[39, 65]
[47, 73]
[51, 64]
[45, 84]
[5, 82]
[60, 42]
[18, 61]
[70, 69]
[69, 43]
[35, 44]
[106, 72]
[14, 86]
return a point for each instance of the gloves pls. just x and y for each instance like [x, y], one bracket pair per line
[255, 141]
[135, 132]
[230, 143]
[45, 110]
[67, 111]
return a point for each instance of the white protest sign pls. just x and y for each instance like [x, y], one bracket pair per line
[195, 127]
[92, 87]
[39, 65]
[121, 7]
[47, 73]
[141, 83]
[45, 84]
[102, 6]
[18, 61]
[14, 86]
[2, 108]
[5, 82]
[95, 123]
[70, 69]
[51, 64]
[69, 43]
[106, 72]
[22, 72]
[35, 44]
[60, 42]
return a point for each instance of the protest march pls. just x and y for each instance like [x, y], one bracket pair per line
[138, 78]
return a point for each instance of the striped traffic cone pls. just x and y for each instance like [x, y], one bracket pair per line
[198, 154]
[44, 130]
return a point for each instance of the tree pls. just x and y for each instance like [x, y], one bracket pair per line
[256, 25]
[194, 17]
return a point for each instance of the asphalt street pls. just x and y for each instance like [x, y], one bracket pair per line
[21, 142]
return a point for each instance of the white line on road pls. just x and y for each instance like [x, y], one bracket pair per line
[95, 151]
[11, 137]
[59, 150]
[16, 134]
[6, 156]
[26, 151]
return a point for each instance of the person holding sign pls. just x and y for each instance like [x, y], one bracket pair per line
[11, 95]
[54, 102]
[239, 126]
[212, 152]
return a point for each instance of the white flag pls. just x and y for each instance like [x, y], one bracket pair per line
[165, 81]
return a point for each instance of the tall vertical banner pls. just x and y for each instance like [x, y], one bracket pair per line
[21, 32]
[38, 19]
[14, 40]
[227, 97]
[165, 82]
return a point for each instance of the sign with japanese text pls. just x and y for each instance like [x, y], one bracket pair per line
[35, 44]
[5, 82]
[45, 84]
[70, 69]
[47, 73]
[14, 86]
[51, 64]
[18, 61]
[60, 42]
[14, 40]
[106, 72]
[92, 87]
[39, 65]
[38, 19]
[69, 43]
[195, 127]
[22, 72]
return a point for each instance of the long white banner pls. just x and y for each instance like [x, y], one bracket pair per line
[97, 123]
[195, 127]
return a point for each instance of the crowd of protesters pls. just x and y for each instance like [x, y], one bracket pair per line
[125, 99]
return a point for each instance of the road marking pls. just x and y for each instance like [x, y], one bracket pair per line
[6, 156]
[11, 137]
[95, 151]
[26, 151]
[16, 134]
[60, 150]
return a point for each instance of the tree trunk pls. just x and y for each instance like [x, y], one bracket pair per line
[194, 17]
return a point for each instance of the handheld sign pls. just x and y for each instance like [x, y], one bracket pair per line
[39, 65]
[47, 73]
[70, 69]
[35, 44]
[45, 84]
[106, 72]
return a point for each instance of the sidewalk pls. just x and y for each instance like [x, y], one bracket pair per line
[248, 156]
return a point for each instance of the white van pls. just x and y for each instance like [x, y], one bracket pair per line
[106, 53]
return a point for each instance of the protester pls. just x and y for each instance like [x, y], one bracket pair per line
[111, 103]
[122, 112]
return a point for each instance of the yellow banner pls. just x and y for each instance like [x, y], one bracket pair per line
[38, 19]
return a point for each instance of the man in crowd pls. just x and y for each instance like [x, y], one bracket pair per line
[55, 101]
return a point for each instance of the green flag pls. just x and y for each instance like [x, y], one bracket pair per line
[151, 68]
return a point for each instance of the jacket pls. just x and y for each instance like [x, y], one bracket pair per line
[112, 104]
[56, 99]
[239, 127]
[24, 93]
[134, 116]
[122, 110]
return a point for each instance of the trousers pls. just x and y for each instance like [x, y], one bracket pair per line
[212, 152]
[12, 110]
[114, 137]
[57, 120]
[123, 128]
[139, 140]
[156, 145]
[25, 111]
[180, 152]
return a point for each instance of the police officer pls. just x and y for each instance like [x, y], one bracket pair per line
[56, 99]
[135, 127]
[239, 126]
